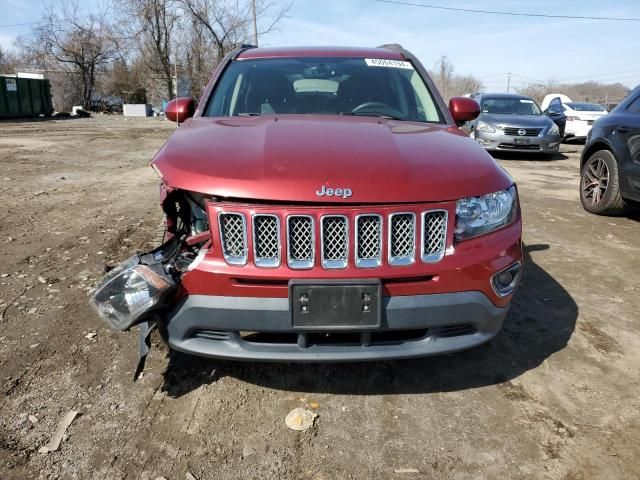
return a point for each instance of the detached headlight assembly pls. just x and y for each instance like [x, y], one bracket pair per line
[129, 291]
[485, 127]
[480, 215]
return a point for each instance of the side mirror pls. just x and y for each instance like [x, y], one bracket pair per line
[179, 109]
[463, 109]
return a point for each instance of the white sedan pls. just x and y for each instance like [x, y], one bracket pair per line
[580, 118]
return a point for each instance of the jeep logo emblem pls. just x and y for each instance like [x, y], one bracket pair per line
[334, 192]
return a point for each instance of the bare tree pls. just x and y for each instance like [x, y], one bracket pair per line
[229, 23]
[450, 84]
[83, 45]
[7, 61]
[151, 23]
[126, 81]
[591, 91]
[198, 57]
[443, 76]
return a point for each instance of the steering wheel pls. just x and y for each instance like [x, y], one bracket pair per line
[377, 107]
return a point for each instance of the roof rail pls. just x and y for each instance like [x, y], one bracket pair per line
[240, 49]
[392, 46]
[396, 47]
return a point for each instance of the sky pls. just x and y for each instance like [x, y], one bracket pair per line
[484, 45]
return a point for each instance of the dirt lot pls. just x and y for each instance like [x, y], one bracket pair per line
[556, 395]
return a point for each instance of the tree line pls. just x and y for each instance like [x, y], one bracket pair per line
[127, 49]
[116, 50]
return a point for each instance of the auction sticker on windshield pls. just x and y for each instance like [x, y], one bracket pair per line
[384, 62]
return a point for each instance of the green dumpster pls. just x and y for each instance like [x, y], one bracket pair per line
[24, 97]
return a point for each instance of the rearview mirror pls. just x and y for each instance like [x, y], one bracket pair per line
[179, 109]
[463, 109]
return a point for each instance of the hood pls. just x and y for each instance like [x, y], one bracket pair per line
[524, 121]
[291, 158]
[552, 96]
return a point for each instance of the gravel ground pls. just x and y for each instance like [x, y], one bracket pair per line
[556, 395]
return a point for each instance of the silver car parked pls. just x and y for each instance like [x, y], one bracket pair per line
[513, 123]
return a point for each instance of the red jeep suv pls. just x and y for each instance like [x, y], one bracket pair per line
[321, 204]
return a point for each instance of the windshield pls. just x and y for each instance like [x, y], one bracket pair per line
[509, 106]
[323, 86]
[585, 107]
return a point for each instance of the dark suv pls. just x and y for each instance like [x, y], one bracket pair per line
[610, 164]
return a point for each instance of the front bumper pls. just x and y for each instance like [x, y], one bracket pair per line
[412, 326]
[508, 143]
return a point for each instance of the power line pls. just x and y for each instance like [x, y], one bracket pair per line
[525, 80]
[18, 24]
[513, 14]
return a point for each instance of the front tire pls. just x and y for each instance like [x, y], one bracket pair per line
[600, 185]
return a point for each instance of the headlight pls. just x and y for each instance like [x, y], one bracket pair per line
[128, 291]
[485, 127]
[554, 130]
[480, 215]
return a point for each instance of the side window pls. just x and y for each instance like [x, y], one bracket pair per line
[635, 106]
[424, 100]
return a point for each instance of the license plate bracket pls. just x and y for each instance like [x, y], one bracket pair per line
[521, 141]
[335, 304]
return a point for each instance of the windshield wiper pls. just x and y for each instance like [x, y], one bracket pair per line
[249, 114]
[371, 114]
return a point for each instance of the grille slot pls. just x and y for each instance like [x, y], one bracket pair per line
[335, 241]
[300, 242]
[402, 238]
[212, 334]
[434, 235]
[530, 132]
[233, 237]
[368, 241]
[457, 330]
[266, 240]
[511, 146]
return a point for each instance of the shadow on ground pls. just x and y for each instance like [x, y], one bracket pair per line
[43, 118]
[541, 321]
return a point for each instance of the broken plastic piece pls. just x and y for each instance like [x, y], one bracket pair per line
[144, 345]
[54, 443]
[300, 419]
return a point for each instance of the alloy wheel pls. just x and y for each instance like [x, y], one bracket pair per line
[595, 180]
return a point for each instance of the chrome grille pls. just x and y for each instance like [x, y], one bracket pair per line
[434, 235]
[529, 132]
[266, 240]
[233, 234]
[300, 241]
[402, 238]
[405, 232]
[335, 246]
[368, 241]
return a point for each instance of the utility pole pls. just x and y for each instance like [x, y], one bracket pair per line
[508, 81]
[255, 23]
